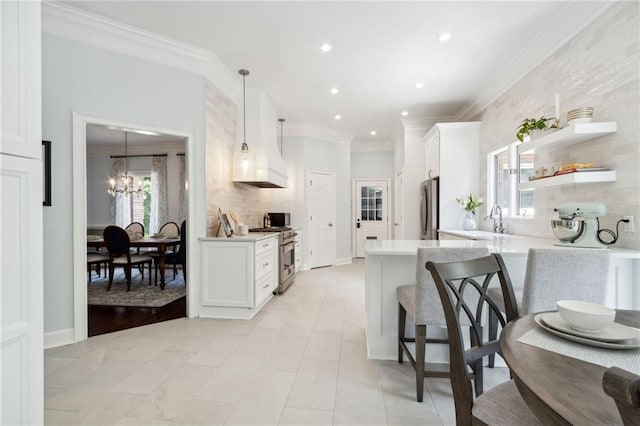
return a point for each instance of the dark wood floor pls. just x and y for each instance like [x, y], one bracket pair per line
[107, 319]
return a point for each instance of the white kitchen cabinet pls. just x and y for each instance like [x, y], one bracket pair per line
[239, 275]
[451, 153]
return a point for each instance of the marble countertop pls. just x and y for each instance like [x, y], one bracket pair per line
[505, 244]
[252, 236]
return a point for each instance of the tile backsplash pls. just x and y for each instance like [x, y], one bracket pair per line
[247, 202]
[599, 67]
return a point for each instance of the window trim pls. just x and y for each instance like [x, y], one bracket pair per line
[514, 176]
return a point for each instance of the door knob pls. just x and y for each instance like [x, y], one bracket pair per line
[331, 224]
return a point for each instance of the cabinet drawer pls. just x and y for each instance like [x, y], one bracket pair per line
[265, 246]
[264, 286]
[264, 264]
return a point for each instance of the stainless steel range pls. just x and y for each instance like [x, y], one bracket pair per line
[286, 255]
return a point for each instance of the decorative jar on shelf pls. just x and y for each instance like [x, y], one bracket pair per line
[469, 222]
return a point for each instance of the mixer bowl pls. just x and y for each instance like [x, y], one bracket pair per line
[567, 230]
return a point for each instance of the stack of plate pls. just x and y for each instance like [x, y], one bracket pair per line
[614, 336]
[580, 115]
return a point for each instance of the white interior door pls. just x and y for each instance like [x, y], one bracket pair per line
[321, 201]
[398, 202]
[372, 212]
[21, 199]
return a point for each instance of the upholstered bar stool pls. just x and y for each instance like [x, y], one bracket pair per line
[557, 274]
[423, 304]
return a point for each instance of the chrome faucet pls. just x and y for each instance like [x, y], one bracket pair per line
[498, 227]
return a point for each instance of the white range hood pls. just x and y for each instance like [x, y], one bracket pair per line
[263, 166]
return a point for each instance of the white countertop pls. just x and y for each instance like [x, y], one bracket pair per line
[504, 244]
[252, 236]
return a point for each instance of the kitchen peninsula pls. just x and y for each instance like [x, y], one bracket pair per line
[392, 263]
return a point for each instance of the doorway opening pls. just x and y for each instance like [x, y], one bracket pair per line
[96, 141]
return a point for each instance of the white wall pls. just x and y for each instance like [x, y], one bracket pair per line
[599, 67]
[99, 170]
[99, 82]
[372, 165]
[303, 154]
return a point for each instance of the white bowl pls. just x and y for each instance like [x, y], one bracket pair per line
[585, 316]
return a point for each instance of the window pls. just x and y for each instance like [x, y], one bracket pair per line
[505, 170]
[141, 202]
[371, 203]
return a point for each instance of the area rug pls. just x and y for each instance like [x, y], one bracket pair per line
[141, 294]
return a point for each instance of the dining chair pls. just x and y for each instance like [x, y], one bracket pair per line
[169, 230]
[624, 387]
[119, 248]
[422, 303]
[179, 257]
[558, 274]
[455, 282]
[96, 259]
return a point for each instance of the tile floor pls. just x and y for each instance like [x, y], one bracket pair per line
[301, 361]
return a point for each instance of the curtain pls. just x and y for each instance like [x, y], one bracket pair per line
[121, 205]
[182, 192]
[158, 213]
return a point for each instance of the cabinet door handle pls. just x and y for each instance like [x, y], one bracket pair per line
[265, 264]
[265, 245]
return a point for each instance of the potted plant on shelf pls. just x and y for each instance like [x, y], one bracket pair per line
[470, 204]
[530, 125]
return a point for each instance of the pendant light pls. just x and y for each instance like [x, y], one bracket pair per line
[124, 184]
[244, 148]
[281, 120]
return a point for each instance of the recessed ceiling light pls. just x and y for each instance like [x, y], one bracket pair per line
[338, 117]
[419, 85]
[444, 37]
[404, 113]
[373, 133]
[325, 47]
[334, 90]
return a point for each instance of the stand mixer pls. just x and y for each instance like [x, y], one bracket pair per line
[578, 225]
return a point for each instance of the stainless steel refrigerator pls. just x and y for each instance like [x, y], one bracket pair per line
[429, 194]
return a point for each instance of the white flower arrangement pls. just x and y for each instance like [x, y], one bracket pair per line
[470, 203]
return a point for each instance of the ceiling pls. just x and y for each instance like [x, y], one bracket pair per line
[380, 50]
[113, 139]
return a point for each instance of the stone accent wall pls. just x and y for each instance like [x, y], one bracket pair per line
[247, 202]
[599, 67]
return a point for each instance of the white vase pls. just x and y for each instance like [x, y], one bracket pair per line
[469, 221]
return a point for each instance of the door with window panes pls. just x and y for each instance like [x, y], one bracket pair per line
[371, 212]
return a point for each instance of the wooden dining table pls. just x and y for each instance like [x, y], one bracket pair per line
[558, 389]
[160, 244]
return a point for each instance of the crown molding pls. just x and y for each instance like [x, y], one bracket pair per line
[538, 51]
[309, 130]
[95, 30]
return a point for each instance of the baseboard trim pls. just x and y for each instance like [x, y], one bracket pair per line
[343, 261]
[58, 338]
